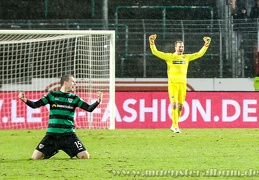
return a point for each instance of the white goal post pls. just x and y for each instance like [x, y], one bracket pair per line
[32, 61]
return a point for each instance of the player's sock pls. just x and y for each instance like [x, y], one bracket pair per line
[175, 117]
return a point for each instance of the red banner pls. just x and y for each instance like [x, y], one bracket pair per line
[201, 110]
[144, 110]
[17, 115]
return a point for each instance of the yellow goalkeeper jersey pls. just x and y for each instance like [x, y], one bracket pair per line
[177, 65]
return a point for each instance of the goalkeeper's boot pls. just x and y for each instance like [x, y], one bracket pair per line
[175, 130]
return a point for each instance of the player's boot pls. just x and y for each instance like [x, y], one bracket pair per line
[175, 130]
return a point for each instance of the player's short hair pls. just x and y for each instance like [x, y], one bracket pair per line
[176, 42]
[65, 78]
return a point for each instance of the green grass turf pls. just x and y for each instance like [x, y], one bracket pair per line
[135, 151]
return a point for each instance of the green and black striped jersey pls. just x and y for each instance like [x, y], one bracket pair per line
[62, 110]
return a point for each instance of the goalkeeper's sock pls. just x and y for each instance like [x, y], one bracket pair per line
[175, 117]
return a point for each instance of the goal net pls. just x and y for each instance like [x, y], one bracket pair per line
[32, 61]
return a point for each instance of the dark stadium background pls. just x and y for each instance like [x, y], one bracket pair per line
[190, 19]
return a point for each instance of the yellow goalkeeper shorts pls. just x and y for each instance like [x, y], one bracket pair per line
[177, 92]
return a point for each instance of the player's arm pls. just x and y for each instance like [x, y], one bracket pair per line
[154, 50]
[32, 104]
[203, 50]
[99, 96]
[91, 107]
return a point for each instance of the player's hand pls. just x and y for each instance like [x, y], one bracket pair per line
[22, 97]
[99, 96]
[207, 41]
[152, 39]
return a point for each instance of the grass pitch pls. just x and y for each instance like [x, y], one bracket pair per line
[137, 154]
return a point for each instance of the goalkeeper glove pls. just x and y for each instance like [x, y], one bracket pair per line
[152, 39]
[207, 41]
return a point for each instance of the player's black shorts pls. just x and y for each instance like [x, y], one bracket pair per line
[69, 143]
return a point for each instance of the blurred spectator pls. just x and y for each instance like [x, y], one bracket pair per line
[241, 24]
[255, 10]
[241, 13]
[238, 4]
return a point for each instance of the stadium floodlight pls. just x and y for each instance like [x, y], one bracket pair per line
[33, 61]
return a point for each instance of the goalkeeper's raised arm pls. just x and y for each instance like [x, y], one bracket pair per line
[154, 50]
[202, 51]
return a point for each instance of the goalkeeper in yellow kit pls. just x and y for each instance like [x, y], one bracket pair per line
[177, 66]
